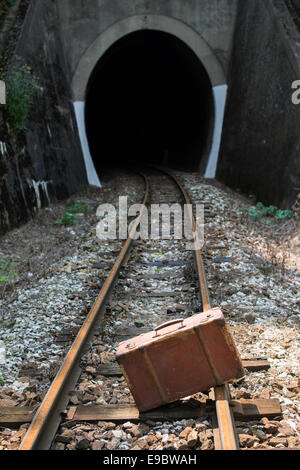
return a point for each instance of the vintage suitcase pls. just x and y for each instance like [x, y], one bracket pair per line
[179, 359]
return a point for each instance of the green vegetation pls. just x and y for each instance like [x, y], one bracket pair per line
[20, 85]
[260, 211]
[78, 208]
[284, 214]
[70, 216]
[67, 219]
[10, 3]
[7, 270]
[5, 6]
[1, 380]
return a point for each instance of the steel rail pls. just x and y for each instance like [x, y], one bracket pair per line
[48, 417]
[226, 436]
[198, 257]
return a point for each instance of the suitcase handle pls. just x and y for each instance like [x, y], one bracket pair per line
[169, 323]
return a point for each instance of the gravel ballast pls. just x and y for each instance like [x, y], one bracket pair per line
[253, 275]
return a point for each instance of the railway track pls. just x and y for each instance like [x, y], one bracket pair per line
[132, 266]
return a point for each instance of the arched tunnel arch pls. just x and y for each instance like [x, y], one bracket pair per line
[149, 99]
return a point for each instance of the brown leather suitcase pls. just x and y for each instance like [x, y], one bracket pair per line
[179, 359]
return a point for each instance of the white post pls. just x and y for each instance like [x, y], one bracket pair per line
[92, 175]
[220, 94]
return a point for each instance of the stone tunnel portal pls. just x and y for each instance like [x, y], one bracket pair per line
[149, 100]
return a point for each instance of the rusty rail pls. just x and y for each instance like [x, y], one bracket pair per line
[225, 434]
[48, 417]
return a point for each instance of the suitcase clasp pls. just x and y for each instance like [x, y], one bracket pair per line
[169, 323]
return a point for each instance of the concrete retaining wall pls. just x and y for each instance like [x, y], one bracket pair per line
[261, 142]
[45, 162]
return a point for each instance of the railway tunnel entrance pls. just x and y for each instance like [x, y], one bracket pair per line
[149, 99]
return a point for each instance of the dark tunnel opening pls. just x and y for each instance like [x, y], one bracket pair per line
[149, 100]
